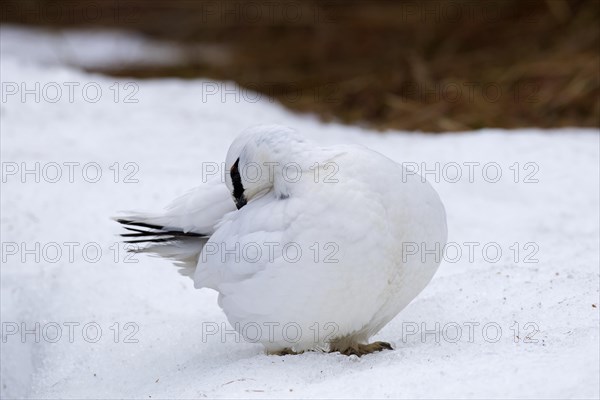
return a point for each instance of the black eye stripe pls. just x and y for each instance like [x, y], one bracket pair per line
[238, 188]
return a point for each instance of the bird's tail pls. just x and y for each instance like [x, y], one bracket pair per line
[149, 237]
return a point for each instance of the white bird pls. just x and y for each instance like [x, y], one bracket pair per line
[310, 248]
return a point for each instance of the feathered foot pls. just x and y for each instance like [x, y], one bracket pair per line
[362, 349]
[284, 352]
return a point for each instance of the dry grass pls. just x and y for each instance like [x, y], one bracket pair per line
[431, 66]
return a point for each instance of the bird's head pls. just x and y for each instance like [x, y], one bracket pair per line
[255, 159]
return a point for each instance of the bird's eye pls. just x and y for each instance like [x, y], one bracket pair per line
[238, 188]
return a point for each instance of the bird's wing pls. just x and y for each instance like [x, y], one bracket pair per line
[317, 236]
[181, 231]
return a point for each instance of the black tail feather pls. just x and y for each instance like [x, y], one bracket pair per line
[153, 233]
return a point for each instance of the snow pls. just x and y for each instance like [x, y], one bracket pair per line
[168, 133]
[101, 49]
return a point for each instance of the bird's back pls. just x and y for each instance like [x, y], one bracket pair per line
[348, 217]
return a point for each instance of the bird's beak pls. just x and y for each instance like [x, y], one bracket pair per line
[238, 189]
[240, 201]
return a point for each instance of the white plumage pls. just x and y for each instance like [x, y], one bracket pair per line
[317, 257]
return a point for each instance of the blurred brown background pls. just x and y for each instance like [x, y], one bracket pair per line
[430, 65]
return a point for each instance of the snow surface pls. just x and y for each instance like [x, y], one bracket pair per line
[101, 49]
[168, 134]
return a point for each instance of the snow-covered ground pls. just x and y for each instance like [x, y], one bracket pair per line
[101, 49]
[521, 324]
